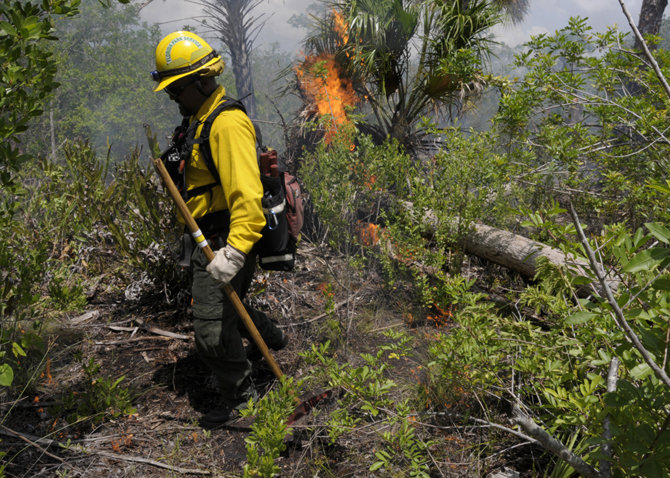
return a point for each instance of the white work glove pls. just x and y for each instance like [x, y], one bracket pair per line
[226, 263]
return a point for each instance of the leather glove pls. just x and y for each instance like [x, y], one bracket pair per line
[226, 263]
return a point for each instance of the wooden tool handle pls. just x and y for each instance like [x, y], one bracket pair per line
[201, 242]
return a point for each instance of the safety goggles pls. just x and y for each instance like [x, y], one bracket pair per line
[159, 75]
[175, 92]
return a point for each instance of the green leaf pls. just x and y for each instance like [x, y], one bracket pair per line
[18, 350]
[6, 28]
[659, 231]
[641, 371]
[579, 317]
[647, 260]
[6, 375]
[651, 468]
[661, 284]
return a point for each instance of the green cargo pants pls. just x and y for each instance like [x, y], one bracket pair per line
[219, 330]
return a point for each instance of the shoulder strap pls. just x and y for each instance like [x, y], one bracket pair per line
[203, 139]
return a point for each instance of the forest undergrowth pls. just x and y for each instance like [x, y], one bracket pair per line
[119, 390]
[431, 362]
[430, 359]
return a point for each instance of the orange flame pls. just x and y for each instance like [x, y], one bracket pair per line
[340, 27]
[325, 86]
[368, 233]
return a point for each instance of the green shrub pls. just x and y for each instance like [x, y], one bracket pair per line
[269, 429]
[575, 126]
[128, 210]
[372, 397]
[559, 369]
[101, 398]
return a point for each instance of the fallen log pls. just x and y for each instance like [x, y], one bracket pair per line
[519, 253]
[514, 251]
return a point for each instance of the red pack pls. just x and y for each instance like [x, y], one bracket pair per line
[284, 213]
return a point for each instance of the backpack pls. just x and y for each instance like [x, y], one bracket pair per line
[282, 196]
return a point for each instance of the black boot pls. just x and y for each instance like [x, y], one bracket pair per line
[253, 352]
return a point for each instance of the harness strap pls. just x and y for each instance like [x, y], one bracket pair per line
[205, 147]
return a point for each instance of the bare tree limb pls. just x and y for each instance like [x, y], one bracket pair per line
[514, 251]
[605, 466]
[619, 317]
[482, 423]
[32, 442]
[552, 444]
[645, 49]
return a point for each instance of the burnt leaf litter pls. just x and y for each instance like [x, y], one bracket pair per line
[145, 346]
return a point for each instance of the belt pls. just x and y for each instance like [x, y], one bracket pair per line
[214, 226]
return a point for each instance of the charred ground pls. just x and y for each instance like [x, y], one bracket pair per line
[149, 344]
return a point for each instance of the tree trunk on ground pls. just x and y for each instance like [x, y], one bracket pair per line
[517, 252]
[521, 254]
[512, 250]
[649, 23]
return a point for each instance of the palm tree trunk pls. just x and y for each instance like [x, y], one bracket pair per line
[235, 24]
[244, 83]
[237, 42]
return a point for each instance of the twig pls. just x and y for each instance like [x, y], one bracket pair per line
[605, 467]
[484, 423]
[432, 458]
[645, 49]
[390, 326]
[152, 330]
[619, 317]
[33, 443]
[505, 450]
[137, 459]
[157, 331]
[92, 314]
[314, 319]
[128, 340]
[552, 444]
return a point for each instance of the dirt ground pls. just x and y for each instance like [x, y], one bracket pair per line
[150, 345]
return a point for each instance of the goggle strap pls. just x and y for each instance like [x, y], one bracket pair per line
[185, 69]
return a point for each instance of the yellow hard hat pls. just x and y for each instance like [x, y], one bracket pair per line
[183, 53]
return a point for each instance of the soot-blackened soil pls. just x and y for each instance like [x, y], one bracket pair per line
[149, 344]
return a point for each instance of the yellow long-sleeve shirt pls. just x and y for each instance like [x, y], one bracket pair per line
[233, 143]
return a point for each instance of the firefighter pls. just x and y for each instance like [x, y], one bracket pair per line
[228, 211]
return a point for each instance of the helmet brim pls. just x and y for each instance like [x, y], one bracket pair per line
[171, 79]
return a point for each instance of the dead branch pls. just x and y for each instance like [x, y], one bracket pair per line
[128, 340]
[605, 467]
[514, 251]
[35, 441]
[137, 459]
[551, 444]
[480, 424]
[93, 314]
[318, 317]
[618, 315]
[32, 441]
[645, 49]
[152, 330]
